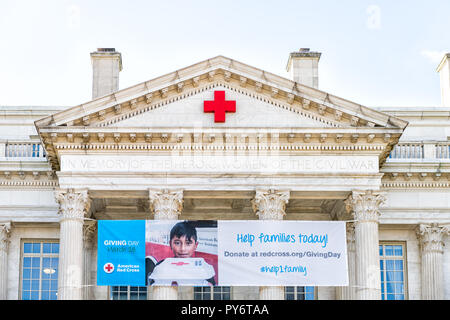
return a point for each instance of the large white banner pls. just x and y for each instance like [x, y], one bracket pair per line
[289, 253]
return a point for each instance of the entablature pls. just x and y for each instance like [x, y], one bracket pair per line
[294, 141]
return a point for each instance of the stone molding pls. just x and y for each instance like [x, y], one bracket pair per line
[330, 110]
[190, 141]
[431, 237]
[270, 204]
[415, 184]
[422, 176]
[5, 232]
[213, 70]
[73, 205]
[166, 204]
[350, 234]
[26, 174]
[89, 233]
[18, 182]
[365, 205]
[141, 105]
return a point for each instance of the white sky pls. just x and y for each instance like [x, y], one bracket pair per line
[376, 53]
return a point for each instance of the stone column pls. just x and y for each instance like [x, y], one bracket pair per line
[348, 293]
[270, 205]
[166, 205]
[73, 205]
[89, 232]
[431, 239]
[365, 206]
[5, 228]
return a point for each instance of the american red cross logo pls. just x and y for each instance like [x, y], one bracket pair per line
[219, 106]
[108, 267]
[180, 263]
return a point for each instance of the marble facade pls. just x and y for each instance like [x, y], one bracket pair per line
[290, 151]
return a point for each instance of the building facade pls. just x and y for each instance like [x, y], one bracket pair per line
[288, 151]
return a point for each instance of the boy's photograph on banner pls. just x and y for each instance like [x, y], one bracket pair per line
[181, 253]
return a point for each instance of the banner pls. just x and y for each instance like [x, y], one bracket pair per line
[226, 253]
[121, 253]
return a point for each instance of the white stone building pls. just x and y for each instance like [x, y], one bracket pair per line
[150, 152]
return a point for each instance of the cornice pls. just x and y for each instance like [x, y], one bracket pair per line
[416, 165]
[169, 147]
[442, 62]
[415, 185]
[293, 142]
[184, 135]
[415, 179]
[23, 178]
[29, 183]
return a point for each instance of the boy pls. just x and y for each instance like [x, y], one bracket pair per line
[183, 243]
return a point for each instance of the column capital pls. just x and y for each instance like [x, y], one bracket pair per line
[350, 234]
[5, 232]
[73, 204]
[431, 236]
[89, 228]
[166, 204]
[270, 204]
[365, 205]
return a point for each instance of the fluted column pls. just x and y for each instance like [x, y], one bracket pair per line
[270, 205]
[431, 239]
[89, 231]
[73, 206]
[166, 205]
[5, 228]
[365, 206]
[348, 293]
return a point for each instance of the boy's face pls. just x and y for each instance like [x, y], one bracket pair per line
[182, 247]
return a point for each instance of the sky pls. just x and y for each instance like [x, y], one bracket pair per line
[375, 53]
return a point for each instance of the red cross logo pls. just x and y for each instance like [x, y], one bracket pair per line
[219, 106]
[180, 263]
[108, 267]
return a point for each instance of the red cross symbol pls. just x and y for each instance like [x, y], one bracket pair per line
[109, 267]
[219, 106]
[180, 263]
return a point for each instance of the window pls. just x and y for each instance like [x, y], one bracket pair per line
[299, 293]
[212, 293]
[36, 151]
[128, 293]
[392, 268]
[39, 270]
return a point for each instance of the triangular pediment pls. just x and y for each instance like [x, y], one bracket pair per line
[170, 108]
[252, 111]
[167, 92]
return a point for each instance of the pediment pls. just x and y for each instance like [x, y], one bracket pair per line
[252, 111]
[170, 108]
[271, 93]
